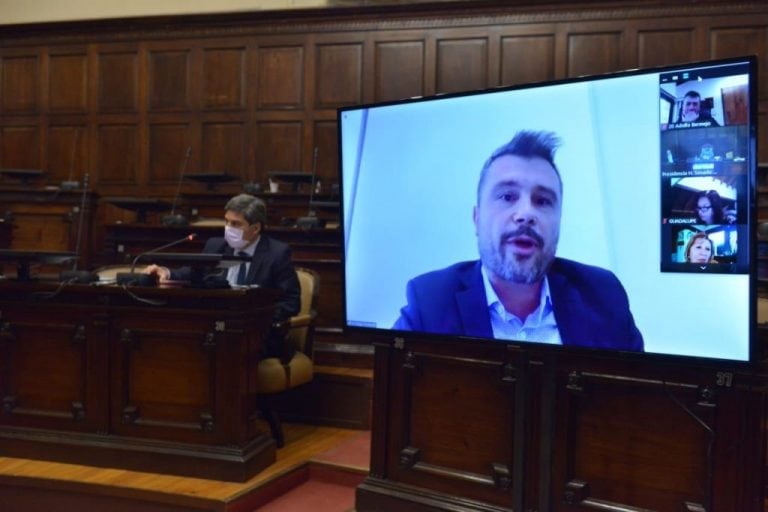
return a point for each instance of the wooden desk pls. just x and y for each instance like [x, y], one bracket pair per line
[318, 249]
[160, 380]
[123, 242]
[48, 219]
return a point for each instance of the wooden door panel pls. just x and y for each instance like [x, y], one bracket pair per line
[618, 443]
[50, 375]
[438, 441]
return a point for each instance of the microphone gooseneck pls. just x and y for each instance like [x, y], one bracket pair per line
[187, 238]
[174, 219]
[71, 178]
[187, 154]
[310, 213]
[75, 275]
[80, 221]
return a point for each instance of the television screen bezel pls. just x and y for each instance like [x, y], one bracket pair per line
[754, 353]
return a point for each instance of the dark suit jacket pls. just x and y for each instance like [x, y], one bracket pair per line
[590, 305]
[271, 267]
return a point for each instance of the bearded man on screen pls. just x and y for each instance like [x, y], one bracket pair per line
[519, 289]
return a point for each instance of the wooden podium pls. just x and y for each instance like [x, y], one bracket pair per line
[150, 379]
[476, 426]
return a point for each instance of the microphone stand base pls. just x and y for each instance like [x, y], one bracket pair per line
[309, 222]
[69, 185]
[136, 279]
[78, 276]
[174, 220]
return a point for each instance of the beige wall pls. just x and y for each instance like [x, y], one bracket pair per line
[31, 11]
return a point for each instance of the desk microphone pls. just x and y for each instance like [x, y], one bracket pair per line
[173, 218]
[187, 238]
[70, 183]
[311, 220]
[141, 279]
[74, 275]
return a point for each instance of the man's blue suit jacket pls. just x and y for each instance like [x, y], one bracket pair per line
[590, 305]
[271, 267]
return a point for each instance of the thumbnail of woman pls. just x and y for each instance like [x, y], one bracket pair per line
[700, 250]
[709, 208]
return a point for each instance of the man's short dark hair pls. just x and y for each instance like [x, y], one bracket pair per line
[250, 207]
[526, 144]
[692, 94]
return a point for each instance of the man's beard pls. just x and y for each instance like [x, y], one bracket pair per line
[526, 270]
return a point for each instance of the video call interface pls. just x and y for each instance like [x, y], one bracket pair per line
[656, 169]
[704, 118]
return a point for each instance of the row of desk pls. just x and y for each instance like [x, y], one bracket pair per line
[71, 220]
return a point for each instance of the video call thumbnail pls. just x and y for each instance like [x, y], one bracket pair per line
[707, 248]
[703, 200]
[704, 148]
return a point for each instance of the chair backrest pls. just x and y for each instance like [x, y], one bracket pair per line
[300, 334]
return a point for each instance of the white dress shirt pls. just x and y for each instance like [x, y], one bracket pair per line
[540, 326]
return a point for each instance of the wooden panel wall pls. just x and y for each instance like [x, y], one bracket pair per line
[454, 428]
[251, 94]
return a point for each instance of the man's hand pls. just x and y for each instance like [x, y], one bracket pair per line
[162, 273]
[689, 117]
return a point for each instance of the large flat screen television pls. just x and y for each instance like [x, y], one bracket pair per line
[611, 212]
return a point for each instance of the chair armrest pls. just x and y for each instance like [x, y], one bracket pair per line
[301, 320]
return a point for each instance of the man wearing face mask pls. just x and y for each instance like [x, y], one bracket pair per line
[270, 263]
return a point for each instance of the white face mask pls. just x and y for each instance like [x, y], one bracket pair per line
[234, 237]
